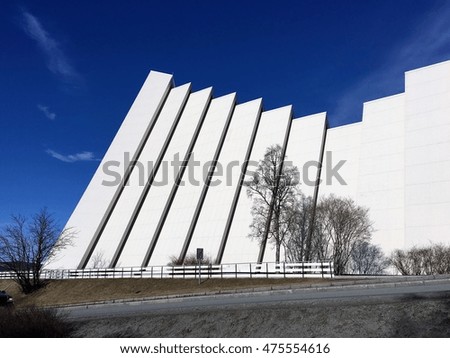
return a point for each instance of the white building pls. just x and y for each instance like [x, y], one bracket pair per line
[397, 163]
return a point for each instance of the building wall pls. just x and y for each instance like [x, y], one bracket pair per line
[215, 212]
[154, 206]
[427, 155]
[97, 199]
[381, 169]
[396, 162]
[342, 144]
[304, 148]
[133, 190]
[181, 213]
[272, 130]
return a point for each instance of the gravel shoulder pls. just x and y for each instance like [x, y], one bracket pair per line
[426, 315]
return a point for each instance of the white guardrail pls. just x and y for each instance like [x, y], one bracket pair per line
[246, 270]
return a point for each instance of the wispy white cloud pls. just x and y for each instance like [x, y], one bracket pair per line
[49, 114]
[428, 44]
[57, 61]
[71, 158]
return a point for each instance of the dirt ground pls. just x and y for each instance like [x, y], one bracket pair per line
[406, 317]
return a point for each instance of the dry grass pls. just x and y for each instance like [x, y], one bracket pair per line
[61, 292]
[32, 322]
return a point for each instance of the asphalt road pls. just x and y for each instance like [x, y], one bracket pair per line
[380, 292]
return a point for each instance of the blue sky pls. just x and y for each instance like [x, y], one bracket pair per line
[69, 71]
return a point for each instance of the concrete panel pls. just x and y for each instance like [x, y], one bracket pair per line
[428, 193]
[304, 148]
[439, 218]
[380, 164]
[145, 167]
[420, 121]
[427, 148]
[416, 80]
[153, 207]
[387, 181]
[381, 169]
[342, 146]
[272, 130]
[417, 157]
[97, 198]
[430, 135]
[218, 202]
[383, 147]
[379, 200]
[425, 235]
[439, 170]
[181, 213]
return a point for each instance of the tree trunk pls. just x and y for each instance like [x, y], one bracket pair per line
[277, 253]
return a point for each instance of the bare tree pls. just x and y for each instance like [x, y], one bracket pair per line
[441, 259]
[25, 248]
[411, 262]
[98, 260]
[284, 217]
[399, 259]
[430, 260]
[368, 259]
[273, 191]
[297, 245]
[340, 225]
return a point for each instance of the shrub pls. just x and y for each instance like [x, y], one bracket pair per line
[189, 260]
[34, 322]
[367, 259]
[430, 260]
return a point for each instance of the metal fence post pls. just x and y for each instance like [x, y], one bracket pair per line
[235, 270]
[284, 269]
[250, 270]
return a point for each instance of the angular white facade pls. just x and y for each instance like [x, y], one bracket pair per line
[141, 208]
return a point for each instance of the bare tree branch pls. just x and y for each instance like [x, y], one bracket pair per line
[274, 199]
[340, 226]
[26, 248]
[430, 260]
